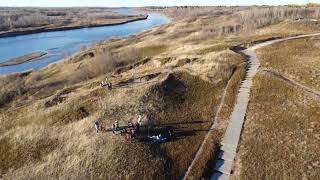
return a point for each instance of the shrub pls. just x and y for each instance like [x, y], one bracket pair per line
[4, 24]
[32, 20]
[313, 5]
[5, 97]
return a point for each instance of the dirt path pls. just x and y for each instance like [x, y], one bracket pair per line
[311, 92]
[224, 163]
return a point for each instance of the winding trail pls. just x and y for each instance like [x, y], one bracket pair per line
[224, 164]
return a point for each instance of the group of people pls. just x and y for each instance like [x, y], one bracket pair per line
[129, 132]
[115, 127]
[98, 126]
[132, 130]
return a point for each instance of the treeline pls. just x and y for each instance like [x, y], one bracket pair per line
[308, 5]
[259, 17]
[241, 19]
[23, 21]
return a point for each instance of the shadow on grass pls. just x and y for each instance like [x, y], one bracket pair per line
[169, 131]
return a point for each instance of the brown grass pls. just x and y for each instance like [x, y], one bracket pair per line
[152, 50]
[231, 95]
[12, 86]
[192, 110]
[189, 106]
[280, 133]
[282, 141]
[13, 155]
[214, 48]
[204, 165]
[297, 59]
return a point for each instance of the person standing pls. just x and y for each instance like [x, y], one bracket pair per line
[140, 119]
[116, 125]
[109, 86]
[130, 125]
[97, 126]
[137, 127]
[113, 128]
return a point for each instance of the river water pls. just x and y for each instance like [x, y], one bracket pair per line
[58, 44]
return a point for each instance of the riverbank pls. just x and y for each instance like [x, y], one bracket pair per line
[53, 29]
[23, 59]
[66, 42]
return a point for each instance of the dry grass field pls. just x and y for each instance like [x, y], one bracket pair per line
[297, 60]
[203, 166]
[176, 75]
[185, 96]
[281, 133]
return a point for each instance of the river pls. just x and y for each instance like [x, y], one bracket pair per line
[60, 43]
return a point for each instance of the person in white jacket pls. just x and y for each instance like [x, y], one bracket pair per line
[140, 120]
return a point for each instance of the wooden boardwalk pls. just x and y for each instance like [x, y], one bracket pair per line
[225, 159]
[227, 152]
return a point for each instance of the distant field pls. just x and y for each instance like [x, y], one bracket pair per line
[15, 21]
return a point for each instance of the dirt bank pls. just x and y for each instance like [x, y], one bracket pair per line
[23, 59]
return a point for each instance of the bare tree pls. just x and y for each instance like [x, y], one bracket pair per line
[257, 17]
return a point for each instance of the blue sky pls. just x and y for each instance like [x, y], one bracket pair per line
[134, 3]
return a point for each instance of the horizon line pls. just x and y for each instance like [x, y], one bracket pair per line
[304, 4]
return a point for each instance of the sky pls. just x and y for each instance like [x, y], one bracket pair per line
[137, 3]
